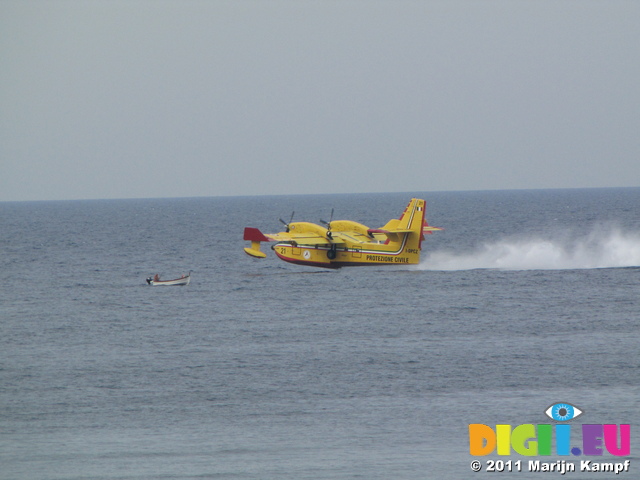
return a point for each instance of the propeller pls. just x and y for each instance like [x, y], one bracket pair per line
[328, 224]
[290, 220]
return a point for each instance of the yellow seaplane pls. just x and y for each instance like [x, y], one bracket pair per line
[344, 243]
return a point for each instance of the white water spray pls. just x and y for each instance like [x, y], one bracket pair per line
[609, 248]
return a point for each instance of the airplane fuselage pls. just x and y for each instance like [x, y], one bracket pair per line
[331, 256]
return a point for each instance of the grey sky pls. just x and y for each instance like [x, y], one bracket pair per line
[151, 98]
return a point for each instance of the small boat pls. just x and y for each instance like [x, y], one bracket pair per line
[183, 280]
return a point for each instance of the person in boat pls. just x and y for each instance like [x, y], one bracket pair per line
[156, 278]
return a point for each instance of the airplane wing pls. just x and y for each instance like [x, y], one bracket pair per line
[342, 238]
[255, 236]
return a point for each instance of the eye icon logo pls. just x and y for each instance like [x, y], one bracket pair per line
[563, 412]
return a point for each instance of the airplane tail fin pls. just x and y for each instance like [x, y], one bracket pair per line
[413, 223]
[412, 218]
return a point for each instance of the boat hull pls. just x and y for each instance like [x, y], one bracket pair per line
[176, 282]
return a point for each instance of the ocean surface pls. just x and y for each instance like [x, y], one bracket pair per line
[264, 370]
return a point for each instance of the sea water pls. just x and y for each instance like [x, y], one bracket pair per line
[264, 370]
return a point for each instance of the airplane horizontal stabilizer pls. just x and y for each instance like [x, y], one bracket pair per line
[386, 230]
